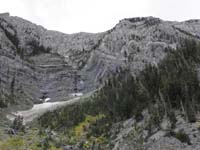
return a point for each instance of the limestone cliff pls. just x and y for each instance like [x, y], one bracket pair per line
[36, 62]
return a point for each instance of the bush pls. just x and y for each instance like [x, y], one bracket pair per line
[17, 124]
[181, 136]
[6, 100]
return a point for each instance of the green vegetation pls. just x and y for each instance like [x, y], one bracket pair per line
[81, 127]
[14, 99]
[32, 140]
[78, 122]
[12, 143]
[181, 136]
[6, 100]
[172, 84]
[37, 48]
[17, 125]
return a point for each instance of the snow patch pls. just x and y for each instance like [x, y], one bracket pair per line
[76, 94]
[47, 99]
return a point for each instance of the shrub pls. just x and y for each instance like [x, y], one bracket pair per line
[17, 124]
[181, 136]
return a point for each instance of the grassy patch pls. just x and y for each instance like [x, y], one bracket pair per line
[82, 127]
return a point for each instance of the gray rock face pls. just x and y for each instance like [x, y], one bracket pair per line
[133, 135]
[35, 62]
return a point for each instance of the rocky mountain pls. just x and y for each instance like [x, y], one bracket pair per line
[146, 70]
[36, 62]
[158, 109]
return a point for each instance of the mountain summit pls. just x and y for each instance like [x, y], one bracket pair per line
[36, 62]
[135, 86]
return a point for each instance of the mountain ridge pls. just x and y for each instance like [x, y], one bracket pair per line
[145, 72]
[53, 58]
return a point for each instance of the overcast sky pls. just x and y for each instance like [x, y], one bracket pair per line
[72, 16]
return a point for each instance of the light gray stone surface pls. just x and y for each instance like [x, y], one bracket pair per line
[42, 61]
[133, 135]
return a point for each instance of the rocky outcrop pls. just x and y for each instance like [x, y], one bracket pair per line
[37, 63]
[133, 135]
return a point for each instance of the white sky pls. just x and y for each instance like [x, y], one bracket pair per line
[72, 16]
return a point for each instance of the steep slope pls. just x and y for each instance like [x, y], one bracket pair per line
[157, 109]
[38, 63]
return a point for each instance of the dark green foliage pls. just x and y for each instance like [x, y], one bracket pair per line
[37, 48]
[122, 97]
[6, 100]
[172, 119]
[64, 118]
[17, 124]
[173, 84]
[184, 138]
[12, 86]
[101, 126]
[150, 78]
[156, 115]
[181, 136]
[138, 116]
[2, 102]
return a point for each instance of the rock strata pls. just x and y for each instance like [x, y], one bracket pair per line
[38, 63]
